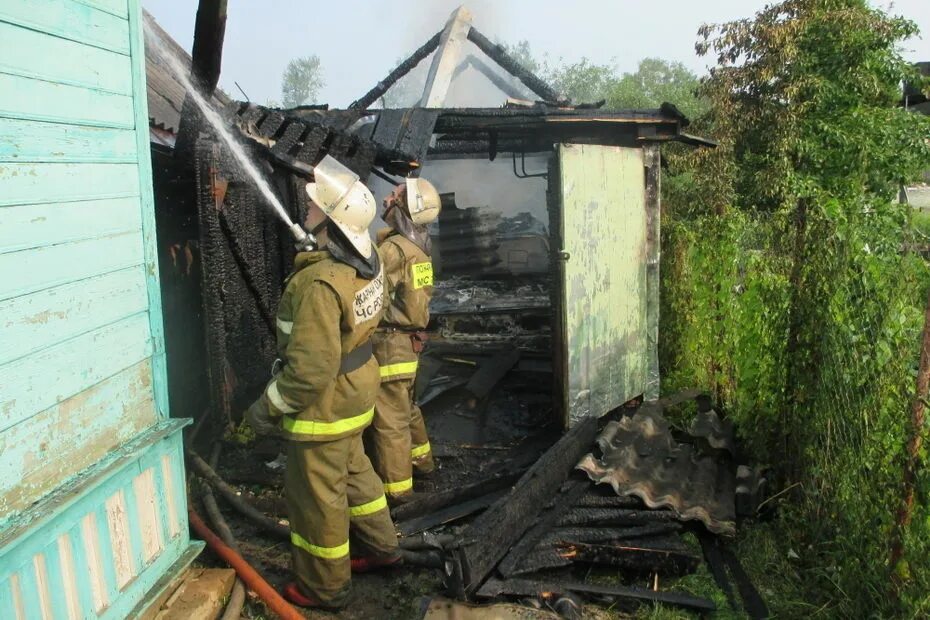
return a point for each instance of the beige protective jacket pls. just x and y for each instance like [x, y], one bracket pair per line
[409, 274]
[326, 311]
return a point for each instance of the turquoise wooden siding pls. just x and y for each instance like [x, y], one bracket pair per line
[92, 503]
[79, 300]
[604, 287]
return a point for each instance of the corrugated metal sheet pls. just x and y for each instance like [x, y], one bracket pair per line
[640, 458]
[604, 266]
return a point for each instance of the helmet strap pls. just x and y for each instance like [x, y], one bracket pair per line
[319, 227]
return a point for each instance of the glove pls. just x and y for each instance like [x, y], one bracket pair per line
[259, 418]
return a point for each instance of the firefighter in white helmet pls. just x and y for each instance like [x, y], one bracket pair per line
[397, 440]
[323, 394]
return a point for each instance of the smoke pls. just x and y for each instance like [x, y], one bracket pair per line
[471, 87]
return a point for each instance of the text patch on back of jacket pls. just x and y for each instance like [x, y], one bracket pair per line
[369, 300]
[422, 274]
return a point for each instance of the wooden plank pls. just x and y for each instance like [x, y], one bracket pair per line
[653, 201]
[449, 514]
[437, 501]
[69, 578]
[28, 98]
[67, 262]
[42, 183]
[115, 7]
[147, 196]
[74, 63]
[492, 534]
[201, 594]
[36, 382]
[37, 141]
[29, 323]
[509, 565]
[71, 435]
[148, 514]
[69, 20]
[118, 530]
[26, 227]
[446, 59]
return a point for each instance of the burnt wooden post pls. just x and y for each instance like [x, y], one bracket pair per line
[651, 159]
[206, 60]
[492, 534]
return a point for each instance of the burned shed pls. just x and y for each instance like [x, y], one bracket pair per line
[547, 250]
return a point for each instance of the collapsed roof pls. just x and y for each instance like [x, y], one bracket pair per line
[406, 136]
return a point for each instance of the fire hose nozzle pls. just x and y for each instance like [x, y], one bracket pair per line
[305, 240]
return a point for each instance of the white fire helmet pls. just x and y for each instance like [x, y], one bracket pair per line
[423, 202]
[345, 200]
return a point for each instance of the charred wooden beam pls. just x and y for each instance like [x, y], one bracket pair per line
[614, 516]
[448, 514]
[207, 51]
[400, 71]
[437, 501]
[529, 541]
[642, 559]
[206, 60]
[498, 54]
[592, 500]
[501, 526]
[527, 587]
[605, 534]
[559, 554]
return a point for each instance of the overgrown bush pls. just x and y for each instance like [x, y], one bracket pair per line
[793, 291]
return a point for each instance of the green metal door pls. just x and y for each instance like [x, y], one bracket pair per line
[604, 252]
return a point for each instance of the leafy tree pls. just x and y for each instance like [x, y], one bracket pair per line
[656, 81]
[805, 307]
[301, 82]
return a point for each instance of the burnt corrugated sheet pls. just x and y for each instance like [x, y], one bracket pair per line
[640, 458]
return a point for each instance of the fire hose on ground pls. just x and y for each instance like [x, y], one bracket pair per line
[252, 579]
[237, 596]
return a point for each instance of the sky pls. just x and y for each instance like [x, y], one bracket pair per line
[360, 41]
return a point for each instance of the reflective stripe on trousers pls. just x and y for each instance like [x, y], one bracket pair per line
[368, 508]
[394, 488]
[327, 553]
[419, 451]
[402, 368]
[312, 427]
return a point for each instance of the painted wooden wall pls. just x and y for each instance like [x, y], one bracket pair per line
[604, 232]
[81, 347]
[93, 515]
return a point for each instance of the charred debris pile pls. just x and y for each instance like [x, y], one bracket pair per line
[529, 523]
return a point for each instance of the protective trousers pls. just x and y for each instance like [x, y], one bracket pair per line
[331, 490]
[397, 437]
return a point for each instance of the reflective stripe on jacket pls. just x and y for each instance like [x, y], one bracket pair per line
[408, 272]
[326, 311]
